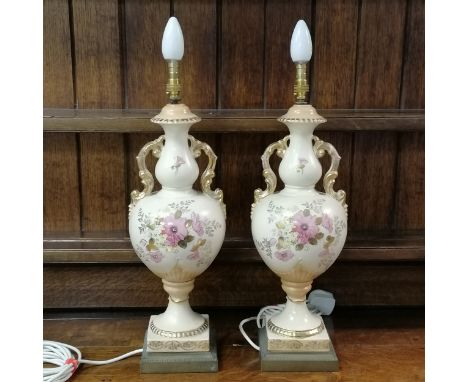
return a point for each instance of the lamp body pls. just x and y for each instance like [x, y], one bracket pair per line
[299, 232]
[177, 232]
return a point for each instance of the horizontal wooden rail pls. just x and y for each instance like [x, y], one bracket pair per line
[228, 121]
[118, 250]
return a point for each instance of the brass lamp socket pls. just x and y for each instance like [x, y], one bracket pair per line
[173, 86]
[301, 87]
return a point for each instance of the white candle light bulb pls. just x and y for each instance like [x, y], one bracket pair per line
[301, 43]
[173, 41]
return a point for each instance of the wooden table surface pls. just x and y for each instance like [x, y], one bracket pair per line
[372, 345]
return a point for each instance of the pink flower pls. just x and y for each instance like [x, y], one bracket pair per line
[305, 227]
[156, 256]
[284, 255]
[327, 223]
[197, 225]
[194, 255]
[174, 229]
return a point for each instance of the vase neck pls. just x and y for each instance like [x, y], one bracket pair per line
[176, 168]
[300, 168]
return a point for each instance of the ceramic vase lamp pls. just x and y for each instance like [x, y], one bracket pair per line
[177, 231]
[298, 231]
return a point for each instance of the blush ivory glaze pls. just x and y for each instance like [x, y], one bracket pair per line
[298, 231]
[177, 231]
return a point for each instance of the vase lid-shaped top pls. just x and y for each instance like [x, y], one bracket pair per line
[175, 113]
[302, 114]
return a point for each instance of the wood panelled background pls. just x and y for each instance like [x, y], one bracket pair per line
[105, 54]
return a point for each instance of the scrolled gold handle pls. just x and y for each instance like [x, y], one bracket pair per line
[268, 174]
[146, 177]
[320, 148]
[207, 176]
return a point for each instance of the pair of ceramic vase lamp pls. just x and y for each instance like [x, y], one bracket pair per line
[177, 231]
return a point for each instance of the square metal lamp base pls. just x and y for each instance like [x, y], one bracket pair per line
[182, 362]
[296, 361]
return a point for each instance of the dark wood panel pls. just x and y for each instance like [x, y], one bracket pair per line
[380, 53]
[127, 286]
[335, 53]
[242, 50]
[373, 181]
[369, 344]
[57, 70]
[280, 18]
[412, 95]
[97, 54]
[61, 183]
[229, 121]
[104, 194]
[198, 69]
[146, 68]
[241, 175]
[410, 186]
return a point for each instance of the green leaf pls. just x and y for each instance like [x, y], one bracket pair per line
[189, 238]
[188, 223]
[306, 212]
[330, 238]
[178, 214]
[280, 243]
[280, 225]
[299, 247]
[313, 241]
[319, 236]
[318, 220]
[182, 244]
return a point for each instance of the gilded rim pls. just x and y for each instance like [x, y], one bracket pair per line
[187, 333]
[294, 333]
[158, 119]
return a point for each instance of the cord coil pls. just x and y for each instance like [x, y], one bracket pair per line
[67, 359]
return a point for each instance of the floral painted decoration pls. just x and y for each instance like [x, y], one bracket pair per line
[299, 229]
[173, 232]
[301, 165]
[179, 161]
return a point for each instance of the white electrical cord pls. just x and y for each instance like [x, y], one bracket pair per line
[319, 302]
[62, 356]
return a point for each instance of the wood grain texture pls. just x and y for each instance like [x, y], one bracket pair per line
[57, 61]
[280, 18]
[410, 189]
[61, 183]
[97, 54]
[242, 49]
[380, 54]
[198, 20]
[241, 175]
[146, 69]
[229, 121]
[335, 53]
[104, 194]
[412, 94]
[246, 284]
[372, 345]
[373, 181]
